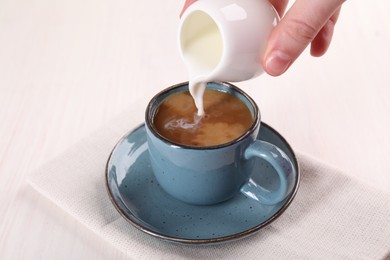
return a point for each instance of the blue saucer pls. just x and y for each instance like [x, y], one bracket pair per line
[138, 197]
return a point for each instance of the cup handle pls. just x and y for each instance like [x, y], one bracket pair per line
[283, 167]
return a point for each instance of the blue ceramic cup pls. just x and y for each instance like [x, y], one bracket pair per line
[212, 174]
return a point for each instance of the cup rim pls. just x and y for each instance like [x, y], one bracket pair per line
[248, 132]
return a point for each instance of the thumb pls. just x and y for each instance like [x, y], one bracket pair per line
[296, 30]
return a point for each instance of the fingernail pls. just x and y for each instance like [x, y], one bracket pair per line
[277, 63]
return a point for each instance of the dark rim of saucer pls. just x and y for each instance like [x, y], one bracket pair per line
[210, 240]
[149, 113]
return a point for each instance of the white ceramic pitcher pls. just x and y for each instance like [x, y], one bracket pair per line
[224, 40]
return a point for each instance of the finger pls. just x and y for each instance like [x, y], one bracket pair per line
[186, 5]
[295, 32]
[280, 6]
[321, 42]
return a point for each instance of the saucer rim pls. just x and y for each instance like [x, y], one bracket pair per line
[179, 240]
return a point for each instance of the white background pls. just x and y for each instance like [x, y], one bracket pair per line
[67, 67]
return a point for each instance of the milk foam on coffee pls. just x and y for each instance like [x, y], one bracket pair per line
[202, 49]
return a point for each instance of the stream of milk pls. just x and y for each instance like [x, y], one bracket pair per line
[202, 53]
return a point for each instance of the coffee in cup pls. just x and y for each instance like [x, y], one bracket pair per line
[226, 118]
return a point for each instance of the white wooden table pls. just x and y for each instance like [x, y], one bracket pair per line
[67, 67]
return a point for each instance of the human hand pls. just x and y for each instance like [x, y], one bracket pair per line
[306, 22]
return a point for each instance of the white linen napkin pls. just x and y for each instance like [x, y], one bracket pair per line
[332, 216]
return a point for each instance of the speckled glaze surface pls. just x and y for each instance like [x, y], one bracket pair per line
[137, 196]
